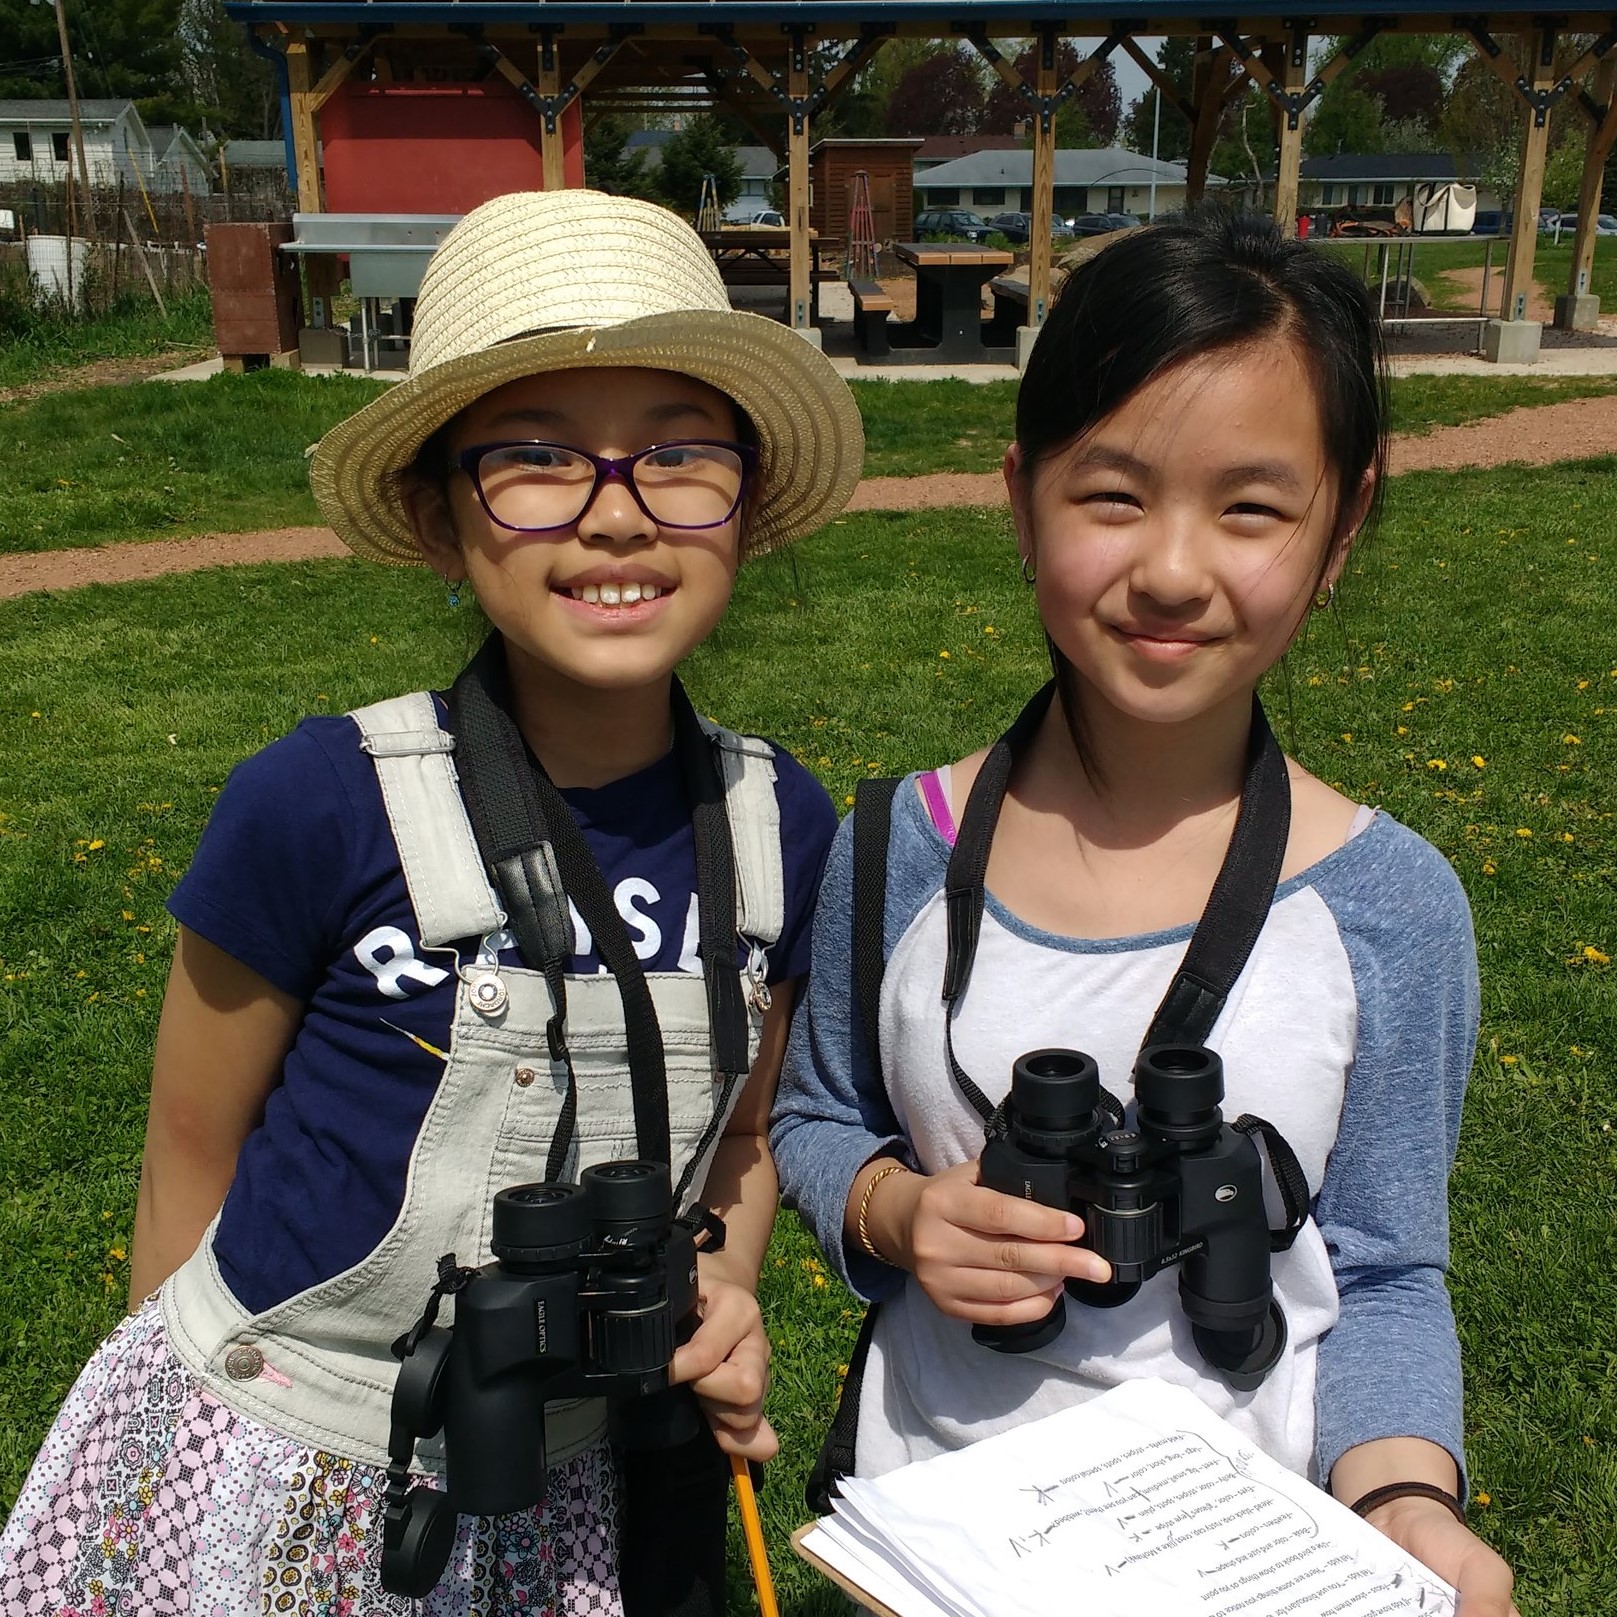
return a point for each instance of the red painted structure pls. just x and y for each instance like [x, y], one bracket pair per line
[435, 148]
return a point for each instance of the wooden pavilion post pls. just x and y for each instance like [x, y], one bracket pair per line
[1293, 77]
[1042, 227]
[1579, 309]
[305, 141]
[552, 147]
[1508, 338]
[800, 292]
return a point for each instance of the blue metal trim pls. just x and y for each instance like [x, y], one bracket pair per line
[1081, 16]
[270, 54]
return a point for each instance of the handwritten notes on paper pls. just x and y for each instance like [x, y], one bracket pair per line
[1144, 1500]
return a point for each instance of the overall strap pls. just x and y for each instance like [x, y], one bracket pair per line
[1225, 934]
[747, 769]
[443, 871]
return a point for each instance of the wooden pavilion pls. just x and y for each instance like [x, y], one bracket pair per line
[775, 64]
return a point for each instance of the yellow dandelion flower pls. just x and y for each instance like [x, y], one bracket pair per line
[1568, 740]
[1436, 763]
[1489, 868]
[1508, 1061]
[1483, 1499]
[1479, 761]
[944, 655]
[1594, 956]
[98, 843]
[848, 800]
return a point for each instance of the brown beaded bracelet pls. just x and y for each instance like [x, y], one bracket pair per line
[1408, 1490]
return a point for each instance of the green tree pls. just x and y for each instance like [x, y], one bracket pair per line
[609, 164]
[1347, 122]
[236, 92]
[697, 150]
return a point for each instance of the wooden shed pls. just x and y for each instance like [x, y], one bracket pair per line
[891, 167]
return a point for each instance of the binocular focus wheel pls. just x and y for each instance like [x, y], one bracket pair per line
[1245, 1367]
[426, 1538]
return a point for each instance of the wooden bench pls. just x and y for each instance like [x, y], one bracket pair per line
[872, 304]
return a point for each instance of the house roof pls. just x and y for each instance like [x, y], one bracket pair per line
[1349, 168]
[58, 112]
[255, 154]
[946, 148]
[1074, 166]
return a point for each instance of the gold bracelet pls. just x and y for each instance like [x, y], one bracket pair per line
[863, 1225]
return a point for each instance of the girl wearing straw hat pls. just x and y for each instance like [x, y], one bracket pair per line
[455, 942]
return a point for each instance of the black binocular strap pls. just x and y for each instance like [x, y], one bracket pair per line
[1290, 1179]
[1239, 903]
[1224, 936]
[538, 857]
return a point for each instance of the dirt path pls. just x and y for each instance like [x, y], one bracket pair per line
[1469, 282]
[1536, 435]
[103, 373]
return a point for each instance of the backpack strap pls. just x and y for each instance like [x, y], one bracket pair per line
[872, 831]
[443, 871]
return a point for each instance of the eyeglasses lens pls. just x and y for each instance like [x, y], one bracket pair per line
[548, 486]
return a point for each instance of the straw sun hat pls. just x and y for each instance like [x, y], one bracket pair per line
[559, 280]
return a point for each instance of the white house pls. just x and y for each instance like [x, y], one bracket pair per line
[1107, 179]
[36, 144]
[1384, 179]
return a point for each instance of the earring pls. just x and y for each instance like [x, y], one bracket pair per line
[1029, 571]
[1325, 599]
[454, 587]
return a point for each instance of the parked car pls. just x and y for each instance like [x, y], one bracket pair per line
[1093, 224]
[959, 222]
[1124, 221]
[1605, 223]
[1488, 222]
[749, 213]
[1014, 227]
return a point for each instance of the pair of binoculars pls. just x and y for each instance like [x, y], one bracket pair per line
[592, 1287]
[1182, 1188]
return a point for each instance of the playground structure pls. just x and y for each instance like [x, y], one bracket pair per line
[776, 63]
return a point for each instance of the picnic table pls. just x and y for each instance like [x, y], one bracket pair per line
[949, 278]
[761, 255]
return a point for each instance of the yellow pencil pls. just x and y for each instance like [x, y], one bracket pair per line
[747, 1502]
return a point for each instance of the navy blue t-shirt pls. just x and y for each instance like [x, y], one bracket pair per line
[297, 876]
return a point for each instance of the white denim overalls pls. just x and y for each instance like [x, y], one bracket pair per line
[317, 1367]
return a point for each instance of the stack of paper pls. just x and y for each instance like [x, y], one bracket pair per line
[1141, 1503]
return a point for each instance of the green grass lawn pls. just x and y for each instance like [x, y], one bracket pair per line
[1435, 259]
[162, 460]
[1466, 684]
[36, 347]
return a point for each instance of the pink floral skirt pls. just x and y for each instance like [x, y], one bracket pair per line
[150, 1497]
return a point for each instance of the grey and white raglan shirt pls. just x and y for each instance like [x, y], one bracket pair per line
[1351, 1029]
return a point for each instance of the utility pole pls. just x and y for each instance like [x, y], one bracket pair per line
[1156, 132]
[73, 113]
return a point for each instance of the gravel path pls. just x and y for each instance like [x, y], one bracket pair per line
[1537, 435]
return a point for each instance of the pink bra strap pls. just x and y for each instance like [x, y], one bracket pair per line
[937, 805]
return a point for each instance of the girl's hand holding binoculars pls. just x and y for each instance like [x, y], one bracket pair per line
[726, 1363]
[979, 1255]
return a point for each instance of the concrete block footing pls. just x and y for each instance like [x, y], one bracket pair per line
[1512, 342]
[811, 334]
[1577, 311]
[1026, 336]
